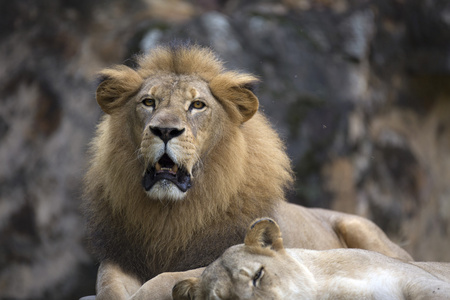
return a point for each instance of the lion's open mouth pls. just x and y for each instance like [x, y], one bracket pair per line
[166, 169]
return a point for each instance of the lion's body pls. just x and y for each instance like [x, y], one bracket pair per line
[230, 181]
[263, 269]
[182, 162]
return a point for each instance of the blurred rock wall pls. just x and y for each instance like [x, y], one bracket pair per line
[359, 90]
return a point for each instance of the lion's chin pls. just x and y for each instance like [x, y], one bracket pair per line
[165, 190]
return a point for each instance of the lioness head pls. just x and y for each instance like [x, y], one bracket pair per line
[177, 106]
[258, 269]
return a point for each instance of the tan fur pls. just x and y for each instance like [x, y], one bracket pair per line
[273, 272]
[238, 166]
[233, 183]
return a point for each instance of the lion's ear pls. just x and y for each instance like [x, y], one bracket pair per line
[246, 102]
[116, 86]
[264, 233]
[235, 91]
[185, 289]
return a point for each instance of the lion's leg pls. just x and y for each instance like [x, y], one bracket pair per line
[114, 284]
[160, 287]
[358, 232]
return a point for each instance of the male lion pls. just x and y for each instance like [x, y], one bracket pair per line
[182, 161]
[262, 268]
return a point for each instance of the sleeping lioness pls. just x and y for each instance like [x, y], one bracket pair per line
[262, 268]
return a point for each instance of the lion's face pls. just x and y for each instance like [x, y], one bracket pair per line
[178, 121]
[175, 121]
[258, 269]
[240, 274]
[172, 113]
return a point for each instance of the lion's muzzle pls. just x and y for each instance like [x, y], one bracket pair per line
[166, 169]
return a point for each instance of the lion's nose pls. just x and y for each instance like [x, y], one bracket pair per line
[166, 134]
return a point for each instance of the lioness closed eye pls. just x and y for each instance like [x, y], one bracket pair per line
[183, 158]
[262, 268]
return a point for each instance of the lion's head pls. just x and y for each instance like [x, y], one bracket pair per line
[178, 107]
[181, 114]
[182, 146]
[181, 122]
[258, 269]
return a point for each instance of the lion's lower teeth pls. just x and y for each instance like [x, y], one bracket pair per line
[158, 167]
[175, 168]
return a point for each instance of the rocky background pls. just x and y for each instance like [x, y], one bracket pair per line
[359, 90]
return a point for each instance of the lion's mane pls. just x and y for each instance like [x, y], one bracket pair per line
[244, 177]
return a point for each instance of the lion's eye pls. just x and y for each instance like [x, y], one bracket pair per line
[258, 275]
[197, 105]
[148, 102]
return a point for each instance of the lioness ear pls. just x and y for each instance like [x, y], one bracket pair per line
[235, 90]
[185, 289]
[264, 233]
[116, 86]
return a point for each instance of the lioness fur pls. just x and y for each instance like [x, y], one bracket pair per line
[181, 162]
[262, 268]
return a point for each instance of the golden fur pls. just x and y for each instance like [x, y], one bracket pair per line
[262, 268]
[180, 112]
[234, 183]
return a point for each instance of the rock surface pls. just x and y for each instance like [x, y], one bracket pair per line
[359, 90]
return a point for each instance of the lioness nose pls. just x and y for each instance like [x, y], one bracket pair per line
[166, 134]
